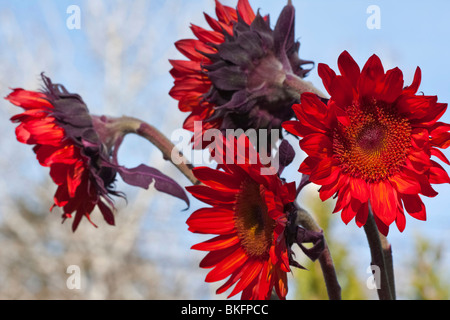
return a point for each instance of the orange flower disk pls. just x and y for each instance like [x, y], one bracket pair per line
[372, 143]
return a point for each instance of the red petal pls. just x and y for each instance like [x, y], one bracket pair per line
[414, 206]
[225, 14]
[312, 112]
[294, 127]
[372, 76]
[211, 221]
[406, 184]
[317, 145]
[341, 92]
[392, 86]
[325, 172]
[217, 179]
[440, 137]
[343, 200]
[327, 191]
[75, 174]
[383, 199]
[217, 243]
[382, 227]
[362, 214]
[432, 117]
[246, 11]
[281, 284]
[192, 49]
[29, 99]
[227, 266]
[308, 165]
[349, 212]
[359, 189]
[440, 155]
[212, 196]
[61, 197]
[215, 257]
[349, 69]
[250, 272]
[417, 107]
[412, 89]
[400, 221]
[327, 75]
[215, 37]
[438, 174]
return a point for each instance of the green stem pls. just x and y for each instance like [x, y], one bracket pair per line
[379, 248]
[296, 86]
[387, 252]
[126, 125]
[326, 262]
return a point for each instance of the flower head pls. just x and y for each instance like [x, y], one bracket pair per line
[235, 78]
[248, 215]
[75, 146]
[372, 143]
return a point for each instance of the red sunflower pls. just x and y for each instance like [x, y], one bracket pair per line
[248, 216]
[235, 74]
[73, 144]
[371, 145]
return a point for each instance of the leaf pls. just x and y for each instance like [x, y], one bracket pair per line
[316, 238]
[286, 153]
[142, 176]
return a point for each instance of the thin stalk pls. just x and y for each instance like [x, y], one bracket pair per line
[159, 140]
[378, 249]
[387, 251]
[297, 86]
[325, 259]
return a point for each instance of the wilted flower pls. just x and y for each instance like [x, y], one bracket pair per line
[80, 154]
[237, 74]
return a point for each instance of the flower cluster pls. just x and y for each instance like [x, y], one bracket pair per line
[369, 145]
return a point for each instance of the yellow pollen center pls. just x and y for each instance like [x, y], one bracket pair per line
[375, 144]
[253, 224]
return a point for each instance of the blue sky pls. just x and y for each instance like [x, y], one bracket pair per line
[34, 38]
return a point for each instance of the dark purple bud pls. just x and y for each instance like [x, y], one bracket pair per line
[286, 155]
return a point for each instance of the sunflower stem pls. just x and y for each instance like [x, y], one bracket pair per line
[296, 86]
[133, 125]
[325, 259]
[387, 251]
[380, 251]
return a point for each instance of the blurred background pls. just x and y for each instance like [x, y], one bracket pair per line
[117, 60]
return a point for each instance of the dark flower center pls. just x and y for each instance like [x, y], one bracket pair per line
[375, 144]
[254, 226]
[371, 138]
